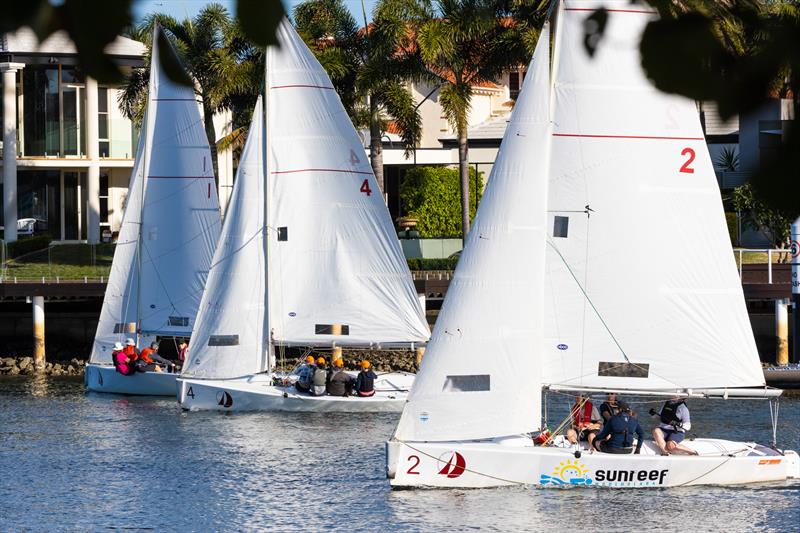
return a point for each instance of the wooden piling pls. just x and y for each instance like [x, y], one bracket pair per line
[782, 331]
[38, 333]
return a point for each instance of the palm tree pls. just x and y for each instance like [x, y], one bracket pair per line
[464, 43]
[216, 57]
[368, 66]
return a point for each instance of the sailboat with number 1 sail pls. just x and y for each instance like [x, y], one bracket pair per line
[599, 261]
[308, 255]
[168, 235]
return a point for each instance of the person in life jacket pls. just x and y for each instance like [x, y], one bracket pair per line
[340, 382]
[319, 379]
[586, 421]
[618, 431]
[183, 351]
[122, 363]
[674, 423]
[609, 407]
[304, 375]
[365, 381]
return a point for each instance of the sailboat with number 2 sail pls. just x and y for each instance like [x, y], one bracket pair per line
[308, 255]
[168, 235]
[599, 260]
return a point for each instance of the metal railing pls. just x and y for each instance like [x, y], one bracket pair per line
[440, 275]
[773, 254]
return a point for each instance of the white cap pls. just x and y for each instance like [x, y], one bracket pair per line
[130, 342]
[117, 345]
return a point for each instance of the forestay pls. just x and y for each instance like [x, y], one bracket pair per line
[481, 373]
[641, 287]
[334, 254]
[228, 340]
[171, 223]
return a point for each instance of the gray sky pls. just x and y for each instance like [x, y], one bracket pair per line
[181, 9]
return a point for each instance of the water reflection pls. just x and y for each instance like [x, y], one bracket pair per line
[75, 453]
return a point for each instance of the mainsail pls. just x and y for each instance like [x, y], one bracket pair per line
[481, 373]
[641, 287]
[336, 274]
[170, 225]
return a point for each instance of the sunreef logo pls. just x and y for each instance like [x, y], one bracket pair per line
[630, 478]
[576, 473]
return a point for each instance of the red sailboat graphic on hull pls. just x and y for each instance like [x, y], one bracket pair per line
[454, 464]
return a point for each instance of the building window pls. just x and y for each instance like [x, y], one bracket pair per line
[104, 200]
[73, 107]
[513, 84]
[102, 121]
[41, 118]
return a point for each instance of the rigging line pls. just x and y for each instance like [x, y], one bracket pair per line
[176, 192]
[589, 300]
[723, 463]
[158, 276]
[203, 231]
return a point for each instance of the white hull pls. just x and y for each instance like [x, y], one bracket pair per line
[257, 393]
[104, 378]
[479, 464]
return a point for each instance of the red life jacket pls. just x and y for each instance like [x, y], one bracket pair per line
[580, 420]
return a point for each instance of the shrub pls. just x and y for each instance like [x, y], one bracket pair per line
[433, 195]
[28, 245]
[448, 263]
[730, 218]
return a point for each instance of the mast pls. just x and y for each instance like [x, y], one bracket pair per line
[266, 337]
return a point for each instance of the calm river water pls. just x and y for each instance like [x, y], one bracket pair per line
[83, 462]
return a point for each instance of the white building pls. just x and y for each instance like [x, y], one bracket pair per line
[74, 148]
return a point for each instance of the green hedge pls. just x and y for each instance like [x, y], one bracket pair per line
[28, 245]
[433, 195]
[433, 264]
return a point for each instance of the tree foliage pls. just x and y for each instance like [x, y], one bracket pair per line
[738, 54]
[772, 223]
[432, 194]
[93, 24]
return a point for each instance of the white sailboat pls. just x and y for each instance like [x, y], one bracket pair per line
[168, 235]
[598, 261]
[330, 272]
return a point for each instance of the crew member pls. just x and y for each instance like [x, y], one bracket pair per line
[320, 378]
[619, 431]
[675, 422]
[365, 381]
[122, 363]
[304, 375]
[586, 421]
[609, 407]
[340, 382]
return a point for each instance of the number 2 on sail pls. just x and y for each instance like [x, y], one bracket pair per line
[365, 187]
[686, 168]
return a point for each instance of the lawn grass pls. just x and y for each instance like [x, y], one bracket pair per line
[64, 261]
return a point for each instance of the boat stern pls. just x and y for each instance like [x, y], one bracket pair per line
[392, 457]
[792, 464]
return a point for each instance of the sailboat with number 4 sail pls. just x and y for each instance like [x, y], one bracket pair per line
[168, 235]
[308, 256]
[599, 261]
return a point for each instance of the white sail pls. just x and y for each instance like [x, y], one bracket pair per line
[228, 340]
[334, 254]
[481, 373]
[170, 226]
[118, 314]
[640, 277]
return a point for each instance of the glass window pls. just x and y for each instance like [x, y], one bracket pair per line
[42, 128]
[513, 84]
[560, 227]
[103, 198]
[38, 196]
[102, 122]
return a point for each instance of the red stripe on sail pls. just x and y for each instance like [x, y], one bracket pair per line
[642, 137]
[320, 170]
[306, 86]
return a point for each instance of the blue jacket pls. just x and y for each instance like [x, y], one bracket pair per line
[622, 427]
